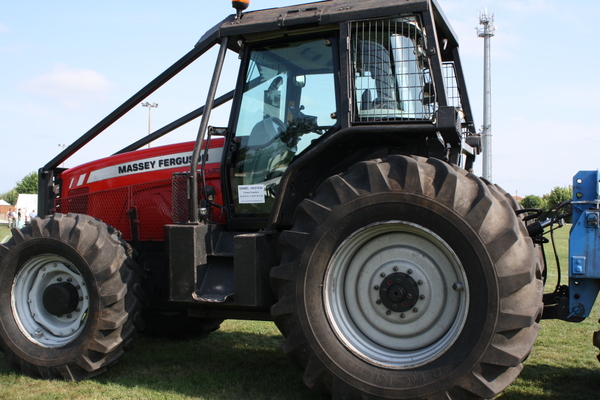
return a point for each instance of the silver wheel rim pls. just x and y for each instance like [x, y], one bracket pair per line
[392, 255]
[36, 322]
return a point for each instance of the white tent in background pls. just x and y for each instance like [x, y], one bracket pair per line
[4, 207]
[27, 203]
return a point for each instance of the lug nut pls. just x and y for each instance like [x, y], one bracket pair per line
[376, 287]
[415, 309]
[410, 271]
[458, 286]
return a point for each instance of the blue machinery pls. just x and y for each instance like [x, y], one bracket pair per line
[574, 302]
[584, 245]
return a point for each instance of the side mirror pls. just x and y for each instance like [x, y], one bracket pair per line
[300, 81]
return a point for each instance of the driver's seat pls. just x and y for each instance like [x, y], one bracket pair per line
[266, 153]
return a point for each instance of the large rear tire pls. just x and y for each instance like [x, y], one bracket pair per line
[69, 300]
[407, 278]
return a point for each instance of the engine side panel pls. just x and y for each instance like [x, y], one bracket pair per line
[136, 192]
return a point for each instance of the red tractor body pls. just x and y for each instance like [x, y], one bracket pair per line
[139, 182]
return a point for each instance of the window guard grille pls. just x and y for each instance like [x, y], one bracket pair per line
[452, 89]
[392, 77]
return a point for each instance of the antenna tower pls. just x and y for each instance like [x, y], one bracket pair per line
[487, 21]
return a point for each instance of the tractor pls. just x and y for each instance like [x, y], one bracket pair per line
[339, 201]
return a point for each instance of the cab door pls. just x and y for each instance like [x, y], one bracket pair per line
[288, 102]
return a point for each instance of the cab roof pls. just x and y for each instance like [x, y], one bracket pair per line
[322, 13]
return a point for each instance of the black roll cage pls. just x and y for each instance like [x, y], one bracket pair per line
[231, 33]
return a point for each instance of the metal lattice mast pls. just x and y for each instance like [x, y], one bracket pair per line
[486, 33]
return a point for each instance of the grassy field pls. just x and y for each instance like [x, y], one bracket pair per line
[243, 361]
[4, 232]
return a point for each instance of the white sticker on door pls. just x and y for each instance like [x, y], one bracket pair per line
[251, 194]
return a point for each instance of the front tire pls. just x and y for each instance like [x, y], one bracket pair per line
[68, 297]
[407, 278]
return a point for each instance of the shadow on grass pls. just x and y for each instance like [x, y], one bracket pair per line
[547, 382]
[224, 366]
[250, 366]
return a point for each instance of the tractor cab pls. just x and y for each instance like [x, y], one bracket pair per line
[330, 81]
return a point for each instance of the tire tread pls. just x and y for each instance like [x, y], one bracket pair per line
[488, 212]
[116, 275]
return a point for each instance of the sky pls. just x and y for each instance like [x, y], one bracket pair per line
[65, 65]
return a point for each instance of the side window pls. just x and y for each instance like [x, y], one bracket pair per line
[288, 102]
[392, 77]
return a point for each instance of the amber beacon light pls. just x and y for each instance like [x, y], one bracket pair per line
[240, 6]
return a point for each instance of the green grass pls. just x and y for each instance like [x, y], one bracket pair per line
[563, 362]
[243, 361]
[4, 233]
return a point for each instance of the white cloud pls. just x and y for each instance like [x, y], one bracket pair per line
[68, 85]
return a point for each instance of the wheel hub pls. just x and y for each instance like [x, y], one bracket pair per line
[399, 292]
[396, 294]
[60, 298]
[50, 300]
